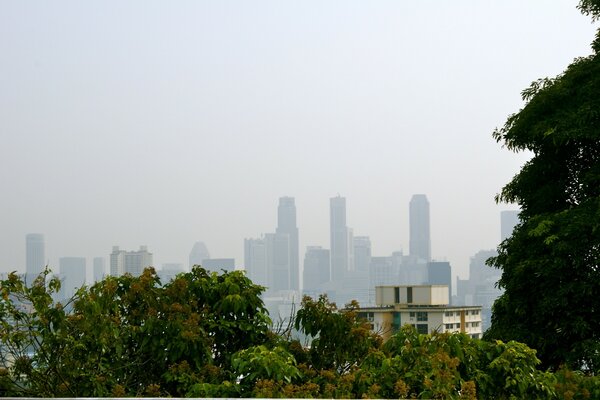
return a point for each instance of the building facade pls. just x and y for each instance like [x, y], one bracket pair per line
[286, 225]
[72, 274]
[129, 262]
[35, 255]
[340, 239]
[420, 239]
[198, 254]
[425, 307]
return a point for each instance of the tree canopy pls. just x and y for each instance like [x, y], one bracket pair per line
[207, 335]
[551, 264]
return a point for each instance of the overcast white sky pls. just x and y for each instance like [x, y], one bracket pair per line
[165, 123]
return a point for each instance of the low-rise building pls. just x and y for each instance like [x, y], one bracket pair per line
[425, 307]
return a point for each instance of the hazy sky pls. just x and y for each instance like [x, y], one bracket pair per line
[165, 123]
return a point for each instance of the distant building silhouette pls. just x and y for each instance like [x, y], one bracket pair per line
[219, 264]
[169, 271]
[267, 261]
[278, 261]
[440, 273]
[72, 273]
[362, 253]
[255, 261]
[35, 255]
[129, 262]
[198, 254]
[340, 239]
[99, 268]
[317, 271]
[420, 241]
[480, 288]
[286, 224]
[508, 220]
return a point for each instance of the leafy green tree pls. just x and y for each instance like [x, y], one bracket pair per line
[551, 264]
[128, 336]
[339, 338]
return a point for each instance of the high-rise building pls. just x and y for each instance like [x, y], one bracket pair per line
[339, 239]
[35, 256]
[198, 254]
[169, 271]
[255, 261]
[286, 224]
[99, 271]
[129, 262]
[362, 253]
[317, 271]
[508, 220]
[440, 273]
[420, 242]
[278, 261]
[72, 275]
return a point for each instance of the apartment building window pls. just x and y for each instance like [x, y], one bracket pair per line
[409, 294]
[422, 329]
[412, 315]
[396, 322]
[449, 314]
[396, 295]
[449, 326]
[421, 316]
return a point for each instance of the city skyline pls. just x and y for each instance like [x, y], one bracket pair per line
[357, 249]
[186, 122]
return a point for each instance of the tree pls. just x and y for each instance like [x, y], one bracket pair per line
[127, 336]
[551, 264]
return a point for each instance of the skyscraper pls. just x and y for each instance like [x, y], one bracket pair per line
[317, 271]
[72, 275]
[440, 273]
[129, 262]
[420, 242]
[286, 224]
[362, 253]
[278, 261]
[99, 271]
[255, 261]
[339, 236]
[508, 220]
[35, 256]
[198, 254]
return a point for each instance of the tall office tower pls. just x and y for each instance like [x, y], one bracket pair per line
[440, 273]
[508, 220]
[278, 261]
[362, 253]
[255, 261]
[129, 262]
[72, 271]
[339, 236]
[35, 256]
[420, 242]
[99, 271]
[198, 254]
[286, 224]
[317, 271]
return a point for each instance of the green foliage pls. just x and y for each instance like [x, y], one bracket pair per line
[340, 339]
[128, 335]
[551, 264]
[206, 335]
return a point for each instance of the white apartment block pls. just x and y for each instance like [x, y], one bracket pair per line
[425, 307]
[129, 262]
